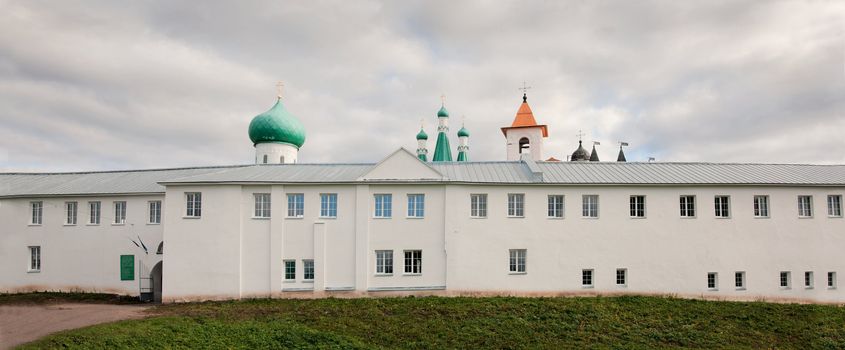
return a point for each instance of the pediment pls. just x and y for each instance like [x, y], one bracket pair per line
[402, 165]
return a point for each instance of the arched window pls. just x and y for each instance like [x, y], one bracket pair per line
[524, 144]
[160, 249]
[265, 159]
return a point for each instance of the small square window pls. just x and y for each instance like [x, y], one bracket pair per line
[590, 206]
[739, 280]
[328, 205]
[761, 206]
[413, 262]
[712, 281]
[155, 212]
[785, 279]
[262, 205]
[119, 212]
[587, 278]
[296, 205]
[516, 205]
[384, 262]
[621, 277]
[70, 213]
[808, 279]
[556, 206]
[834, 206]
[517, 260]
[416, 205]
[722, 206]
[687, 206]
[308, 270]
[637, 206]
[93, 213]
[805, 206]
[383, 206]
[478, 205]
[193, 204]
[290, 270]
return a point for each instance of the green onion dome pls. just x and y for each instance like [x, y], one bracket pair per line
[277, 125]
[422, 135]
[443, 112]
[463, 132]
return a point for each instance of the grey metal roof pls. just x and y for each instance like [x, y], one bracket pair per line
[98, 182]
[516, 172]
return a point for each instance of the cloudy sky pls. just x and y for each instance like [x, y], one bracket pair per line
[120, 85]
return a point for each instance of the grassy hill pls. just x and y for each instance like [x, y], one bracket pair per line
[500, 322]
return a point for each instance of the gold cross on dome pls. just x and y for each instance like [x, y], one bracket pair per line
[279, 87]
[524, 87]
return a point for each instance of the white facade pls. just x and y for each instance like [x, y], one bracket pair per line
[227, 251]
[275, 153]
[534, 135]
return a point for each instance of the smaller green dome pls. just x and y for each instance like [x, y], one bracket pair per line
[422, 135]
[443, 112]
[463, 132]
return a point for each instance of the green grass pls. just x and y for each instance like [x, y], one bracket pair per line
[432, 322]
[61, 297]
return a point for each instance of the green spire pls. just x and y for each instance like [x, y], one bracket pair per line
[462, 156]
[277, 125]
[442, 152]
[443, 112]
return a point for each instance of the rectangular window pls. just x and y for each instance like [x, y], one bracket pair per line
[262, 205]
[384, 262]
[296, 205]
[155, 212]
[808, 279]
[516, 205]
[687, 206]
[416, 205]
[785, 279]
[120, 212]
[36, 211]
[94, 213]
[70, 213]
[34, 258]
[637, 206]
[308, 269]
[290, 270]
[384, 206]
[555, 206]
[761, 206]
[193, 201]
[621, 277]
[712, 280]
[413, 262]
[739, 279]
[723, 206]
[834, 206]
[587, 278]
[328, 205]
[516, 262]
[831, 280]
[805, 206]
[478, 205]
[590, 206]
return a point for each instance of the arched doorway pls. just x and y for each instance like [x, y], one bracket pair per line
[155, 275]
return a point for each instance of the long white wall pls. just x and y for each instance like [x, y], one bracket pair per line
[82, 257]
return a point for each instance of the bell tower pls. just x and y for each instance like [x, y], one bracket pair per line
[525, 135]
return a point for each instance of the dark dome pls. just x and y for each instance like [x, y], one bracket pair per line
[580, 154]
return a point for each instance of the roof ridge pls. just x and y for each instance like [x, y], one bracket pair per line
[127, 171]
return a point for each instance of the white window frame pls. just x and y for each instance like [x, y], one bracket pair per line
[416, 206]
[478, 205]
[262, 205]
[637, 206]
[517, 261]
[120, 208]
[588, 278]
[809, 280]
[193, 204]
[34, 258]
[71, 213]
[328, 205]
[412, 264]
[383, 208]
[739, 280]
[687, 205]
[154, 212]
[308, 269]
[94, 212]
[834, 205]
[557, 206]
[36, 211]
[289, 266]
[590, 206]
[516, 205]
[761, 207]
[785, 279]
[831, 280]
[805, 206]
[384, 262]
[722, 206]
[296, 205]
[712, 281]
[623, 273]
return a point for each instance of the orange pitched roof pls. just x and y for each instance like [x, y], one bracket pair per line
[525, 118]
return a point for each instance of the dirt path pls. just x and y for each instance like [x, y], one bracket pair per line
[24, 323]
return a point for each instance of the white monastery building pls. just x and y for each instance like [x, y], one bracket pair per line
[525, 226]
